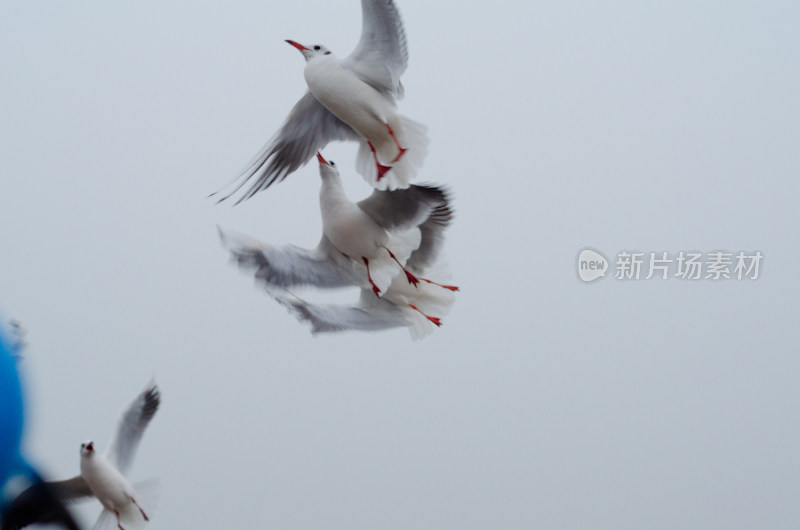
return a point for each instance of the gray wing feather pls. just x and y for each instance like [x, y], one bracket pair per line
[432, 239]
[72, 489]
[381, 56]
[370, 314]
[288, 265]
[404, 208]
[131, 426]
[308, 128]
[43, 502]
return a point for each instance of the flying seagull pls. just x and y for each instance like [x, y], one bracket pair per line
[418, 308]
[351, 99]
[415, 304]
[103, 475]
[364, 244]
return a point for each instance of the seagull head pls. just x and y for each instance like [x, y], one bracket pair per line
[327, 168]
[309, 52]
[87, 448]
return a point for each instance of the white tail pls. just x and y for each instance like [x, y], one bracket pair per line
[147, 493]
[413, 136]
[384, 268]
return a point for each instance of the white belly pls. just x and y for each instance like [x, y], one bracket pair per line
[350, 99]
[355, 234]
[108, 485]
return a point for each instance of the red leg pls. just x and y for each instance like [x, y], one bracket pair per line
[375, 288]
[140, 509]
[410, 277]
[381, 168]
[436, 320]
[119, 525]
[402, 150]
[449, 287]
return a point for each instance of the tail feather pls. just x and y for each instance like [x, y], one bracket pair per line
[413, 136]
[147, 493]
[432, 300]
[106, 521]
[383, 268]
[418, 326]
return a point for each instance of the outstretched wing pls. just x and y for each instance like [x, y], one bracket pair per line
[381, 56]
[43, 503]
[72, 489]
[432, 239]
[404, 208]
[288, 265]
[370, 314]
[308, 129]
[131, 426]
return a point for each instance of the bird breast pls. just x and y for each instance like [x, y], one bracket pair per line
[107, 484]
[348, 97]
[350, 229]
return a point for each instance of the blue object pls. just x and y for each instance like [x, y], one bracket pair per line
[11, 414]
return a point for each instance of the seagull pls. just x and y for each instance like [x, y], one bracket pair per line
[350, 99]
[363, 244]
[103, 475]
[373, 233]
[403, 305]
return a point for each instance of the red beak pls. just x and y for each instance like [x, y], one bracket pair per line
[321, 160]
[297, 45]
[90, 447]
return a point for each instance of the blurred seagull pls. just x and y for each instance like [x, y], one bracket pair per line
[349, 99]
[103, 475]
[403, 305]
[363, 244]
[375, 231]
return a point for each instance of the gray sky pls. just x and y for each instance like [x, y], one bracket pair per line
[542, 401]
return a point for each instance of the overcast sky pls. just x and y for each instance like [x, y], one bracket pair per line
[543, 401]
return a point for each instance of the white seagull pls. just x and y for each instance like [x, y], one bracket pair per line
[363, 244]
[349, 99]
[103, 475]
[403, 305]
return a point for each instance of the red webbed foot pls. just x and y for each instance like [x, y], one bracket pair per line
[381, 168]
[413, 280]
[400, 154]
[435, 320]
[448, 287]
[375, 288]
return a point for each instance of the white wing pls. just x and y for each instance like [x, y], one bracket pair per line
[370, 314]
[381, 56]
[308, 129]
[288, 265]
[131, 426]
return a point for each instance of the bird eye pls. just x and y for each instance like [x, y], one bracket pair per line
[332, 163]
[317, 47]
